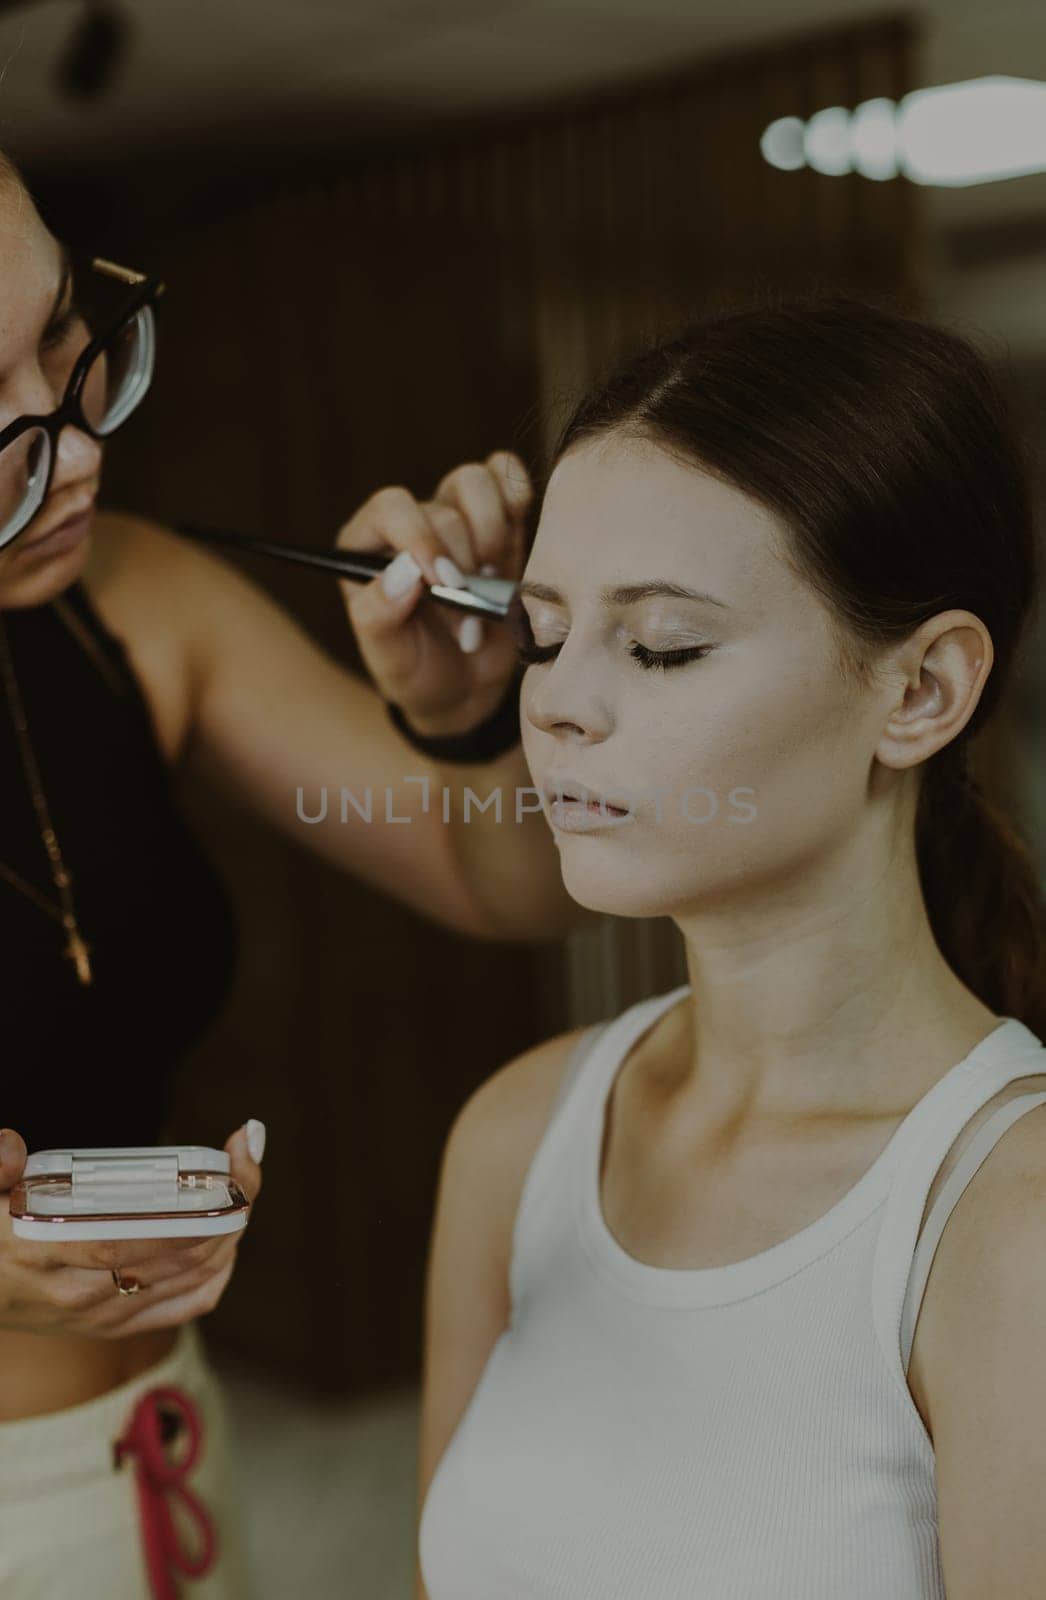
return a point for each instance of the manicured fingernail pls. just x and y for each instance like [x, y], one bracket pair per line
[449, 572]
[489, 570]
[470, 635]
[400, 575]
[255, 1132]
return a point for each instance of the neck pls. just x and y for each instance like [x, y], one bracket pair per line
[833, 999]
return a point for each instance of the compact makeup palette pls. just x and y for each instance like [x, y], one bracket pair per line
[180, 1191]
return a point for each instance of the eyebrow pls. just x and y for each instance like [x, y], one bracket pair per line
[626, 594]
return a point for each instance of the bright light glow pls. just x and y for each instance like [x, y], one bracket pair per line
[782, 144]
[953, 135]
[963, 133]
[827, 144]
[873, 135]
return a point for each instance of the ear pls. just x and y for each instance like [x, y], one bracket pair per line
[944, 667]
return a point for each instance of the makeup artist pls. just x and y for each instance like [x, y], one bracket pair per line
[126, 652]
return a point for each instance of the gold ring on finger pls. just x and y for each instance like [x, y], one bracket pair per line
[126, 1285]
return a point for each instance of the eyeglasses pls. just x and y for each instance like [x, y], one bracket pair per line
[109, 380]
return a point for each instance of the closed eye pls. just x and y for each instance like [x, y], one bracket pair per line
[528, 650]
[667, 658]
[531, 653]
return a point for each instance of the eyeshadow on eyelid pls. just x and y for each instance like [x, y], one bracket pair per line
[674, 643]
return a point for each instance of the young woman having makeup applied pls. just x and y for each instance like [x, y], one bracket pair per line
[126, 652]
[742, 1293]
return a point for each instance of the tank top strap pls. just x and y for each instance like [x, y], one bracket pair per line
[545, 1200]
[975, 1152]
[942, 1144]
[75, 610]
[601, 1048]
[582, 1049]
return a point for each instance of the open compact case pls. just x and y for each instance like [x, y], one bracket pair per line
[181, 1191]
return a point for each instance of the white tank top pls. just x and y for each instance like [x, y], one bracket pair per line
[741, 1432]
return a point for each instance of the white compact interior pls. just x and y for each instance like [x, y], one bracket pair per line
[87, 1193]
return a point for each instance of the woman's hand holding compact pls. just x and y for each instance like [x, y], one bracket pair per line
[445, 670]
[72, 1288]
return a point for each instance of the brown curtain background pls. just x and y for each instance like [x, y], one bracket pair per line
[376, 325]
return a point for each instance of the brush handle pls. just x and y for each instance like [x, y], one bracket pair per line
[484, 597]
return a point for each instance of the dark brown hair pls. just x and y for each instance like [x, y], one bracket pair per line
[883, 445]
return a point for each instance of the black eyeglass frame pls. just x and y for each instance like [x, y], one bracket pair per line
[144, 291]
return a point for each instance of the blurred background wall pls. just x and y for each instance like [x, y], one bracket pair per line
[397, 235]
[371, 295]
[335, 325]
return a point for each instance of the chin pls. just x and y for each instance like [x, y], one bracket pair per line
[612, 890]
[25, 582]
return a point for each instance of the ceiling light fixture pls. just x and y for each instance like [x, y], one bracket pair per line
[951, 136]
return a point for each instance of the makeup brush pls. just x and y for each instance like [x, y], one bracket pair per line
[484, 597]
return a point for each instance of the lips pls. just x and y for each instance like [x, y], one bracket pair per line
[68, 521]
[570, 792]
[71, 520]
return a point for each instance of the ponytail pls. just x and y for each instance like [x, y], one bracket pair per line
[982, 891]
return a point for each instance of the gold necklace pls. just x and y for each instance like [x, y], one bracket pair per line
[76, 948]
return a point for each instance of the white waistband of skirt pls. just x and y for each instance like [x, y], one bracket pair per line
[78, 1440]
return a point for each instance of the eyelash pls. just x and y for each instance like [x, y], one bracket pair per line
[532, 654]
[667, 658]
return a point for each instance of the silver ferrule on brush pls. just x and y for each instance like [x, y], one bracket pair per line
[484, 597]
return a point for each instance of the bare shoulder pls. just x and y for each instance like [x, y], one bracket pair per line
[156, 580]
[992, 1258]
[980, 1371]
[150, 585]
[123, 542]
[135, 560]
[1006, 1192]
[485, 1161]
[178, 609]
[499, 1128]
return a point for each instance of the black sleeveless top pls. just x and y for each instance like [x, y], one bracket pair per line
[93, 1065]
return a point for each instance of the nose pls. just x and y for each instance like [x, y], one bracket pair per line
[79, 457]
[567, 701]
